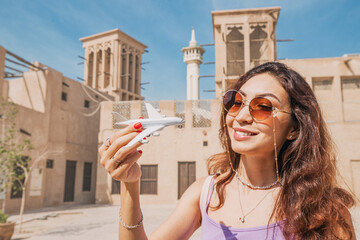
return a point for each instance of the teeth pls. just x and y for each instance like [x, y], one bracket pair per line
[244, 133]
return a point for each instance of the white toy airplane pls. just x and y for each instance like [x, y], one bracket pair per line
[154, 123]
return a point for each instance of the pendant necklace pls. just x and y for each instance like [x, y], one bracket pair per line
[242, 219]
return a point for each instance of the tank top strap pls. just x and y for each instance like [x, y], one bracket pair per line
[206, 192]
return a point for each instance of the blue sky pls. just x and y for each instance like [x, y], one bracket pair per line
[48, 31]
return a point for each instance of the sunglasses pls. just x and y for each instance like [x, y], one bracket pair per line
[260, 108]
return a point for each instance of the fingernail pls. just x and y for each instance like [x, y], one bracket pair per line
[140, 151]
[139, 131]
[144, 138]
[137, 125]
[141, 118]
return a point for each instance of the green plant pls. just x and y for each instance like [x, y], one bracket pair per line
[3, 217]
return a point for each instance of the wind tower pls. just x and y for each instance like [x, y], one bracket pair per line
[244, 38]
[193, 56]
[113, 64]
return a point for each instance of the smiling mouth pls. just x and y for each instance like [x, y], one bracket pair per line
[245, 133]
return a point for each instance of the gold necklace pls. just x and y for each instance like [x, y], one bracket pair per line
[242, 219]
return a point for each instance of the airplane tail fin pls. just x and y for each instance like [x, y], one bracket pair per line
[118, 117]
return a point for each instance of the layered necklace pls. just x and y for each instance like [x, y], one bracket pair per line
[244, 215]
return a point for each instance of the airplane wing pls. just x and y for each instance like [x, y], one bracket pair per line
[152, 113]
[143, 134]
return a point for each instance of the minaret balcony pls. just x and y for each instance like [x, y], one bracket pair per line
[193, 57]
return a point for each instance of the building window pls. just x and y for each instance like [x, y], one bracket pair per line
[90, 69]
[64, 96]
[99, 64]
[235, 50]
[148, 181]
[350, 88]
[205, 143]
[258, 44]
[186, 176]
[324, 92]
[86, 104]
[107, 73]
[130, 72]
[87, 176]
[137, 71]
[49, 163]
[123, 68]
[322, 84]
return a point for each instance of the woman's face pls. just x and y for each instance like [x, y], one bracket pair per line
[260, 141]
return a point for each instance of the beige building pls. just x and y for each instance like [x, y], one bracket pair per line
[336, 83]
[243, 39]
[61, 116]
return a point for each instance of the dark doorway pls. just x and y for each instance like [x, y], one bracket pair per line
[70, 181]
[186, 176]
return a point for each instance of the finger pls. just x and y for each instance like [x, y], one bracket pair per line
[122, 171]
[121, 156]
[137, 127]
[119, 143]
[104, 146]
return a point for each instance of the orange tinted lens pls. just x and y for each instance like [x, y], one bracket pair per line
[260, 108]
[232, 101]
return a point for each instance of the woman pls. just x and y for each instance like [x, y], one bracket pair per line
[275, 180]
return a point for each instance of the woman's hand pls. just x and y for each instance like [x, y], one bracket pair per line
[119, 162]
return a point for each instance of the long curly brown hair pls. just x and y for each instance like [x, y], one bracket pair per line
[310, 199]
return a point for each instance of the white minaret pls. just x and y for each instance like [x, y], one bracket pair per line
[193, 57]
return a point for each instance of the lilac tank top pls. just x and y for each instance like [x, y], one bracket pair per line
[211, 229]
